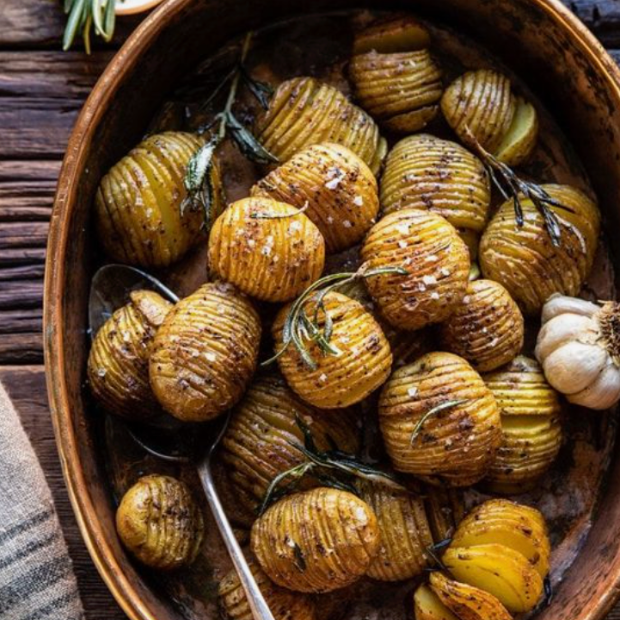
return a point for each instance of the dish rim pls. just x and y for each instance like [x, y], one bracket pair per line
[100, 551]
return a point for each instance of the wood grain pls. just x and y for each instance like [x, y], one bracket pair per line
[41, 92]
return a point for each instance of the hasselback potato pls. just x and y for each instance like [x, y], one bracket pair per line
[284, 604]
[266, 248]
[118, 363]
[437, 262]
[340, 380]
[481, 108]
[159, 522]
[439, 421]
[502, 548]
[531, 425]
[426, 173]
[445, 510]
[259, 442]
[317, 541]
[138, 203]
[392, 33]
[336, 189]
[524, 259]
[404, 532]
[400, 89]
[205, 353]
[304, 111]
[427, 606]
[467, 602]
[486, 328]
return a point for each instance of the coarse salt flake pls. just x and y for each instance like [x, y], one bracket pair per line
[412, 391]
[211, 357]
[434, 295]
[402, 244]
[429, 280]
[323, 378]
[358, 201]
[347, 224]
[403, 228]
[296, 225]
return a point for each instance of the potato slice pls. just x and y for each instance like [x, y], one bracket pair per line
[520, 140]
[499, 570]
[394, 34]
[427, 606]
[467, 602]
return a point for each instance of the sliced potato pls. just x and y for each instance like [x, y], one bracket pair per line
[467, 602]
[499, 570]
[427, 606]
[396, 33]
[520, 140]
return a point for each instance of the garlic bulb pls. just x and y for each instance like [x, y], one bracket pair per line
[579, 349]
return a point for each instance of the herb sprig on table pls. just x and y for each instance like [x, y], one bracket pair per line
[83, 15]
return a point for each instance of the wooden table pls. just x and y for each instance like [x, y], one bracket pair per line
[41, 92]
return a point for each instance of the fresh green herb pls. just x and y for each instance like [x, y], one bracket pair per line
[82, 15]
[449, 404]
[299, 329]
[198, 176]
[513, 188]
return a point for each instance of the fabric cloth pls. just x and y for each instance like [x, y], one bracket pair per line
[36, 574]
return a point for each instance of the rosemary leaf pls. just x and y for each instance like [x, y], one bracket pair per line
[261, 91]
[296, 473]
[197, 181]
[449, 404]
[247, 143]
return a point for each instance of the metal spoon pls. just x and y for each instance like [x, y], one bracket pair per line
[167, 438]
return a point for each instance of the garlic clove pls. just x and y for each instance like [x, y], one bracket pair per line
[562, 329]
[562, 304]
[574, 366]
[603, 393]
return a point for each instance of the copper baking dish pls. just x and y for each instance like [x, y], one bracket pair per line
[539, 39]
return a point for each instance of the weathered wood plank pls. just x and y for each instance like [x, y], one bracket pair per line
[21, 348]
[26, 386]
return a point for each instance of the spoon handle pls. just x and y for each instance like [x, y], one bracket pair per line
[256, 600]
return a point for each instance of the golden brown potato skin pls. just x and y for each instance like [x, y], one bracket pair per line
[524, 259]
[455, 446]
[467, 602]
[486, 328]
[392, 33]
[427, 606]
[269, 258]
[404, 531]
[426, 173]
[205, 353]
[531, 425]
[342, 380]
[437, 262]
[335, 187]
[259, 442]
[118, 363]
[304, 111]
[159, 522]
[401, 90]
[138, 202]
[284, 604]
[482, 102]
[317, 541]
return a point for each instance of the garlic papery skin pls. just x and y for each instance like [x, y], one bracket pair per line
[578, 347]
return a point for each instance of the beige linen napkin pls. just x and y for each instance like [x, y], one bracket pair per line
[36, 573]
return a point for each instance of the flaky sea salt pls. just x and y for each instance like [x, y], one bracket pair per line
[295, 225]
[211, 357]
[429, 280]
[403, 228]
[402, 244]
[358, 201]
[347, 224]
[323, 378]
[412, 391]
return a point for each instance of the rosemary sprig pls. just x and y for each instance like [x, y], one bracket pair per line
[82, 15]
[512, 187]
[448, 404]
[198, 176]
[318, 466]
[299, 329]
[434, 552]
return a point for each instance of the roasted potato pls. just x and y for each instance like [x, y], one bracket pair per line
[502, 548]
[259, 442]
[486, 328]
[426, 173]
[159, 523]
[266, 248]
[524, 259]
[118, 363]
[341, 380]
[439, 421]
[401, 90]
[138, 203]
[531, 425]
[205, 353]
[435, 258]
[467, 602]
[317, 541]
[392, 33]
[284, 604]
[336, 189]
[404, 531]
[444, 510]
[481, 107]
[304, 111]
[427, 606]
